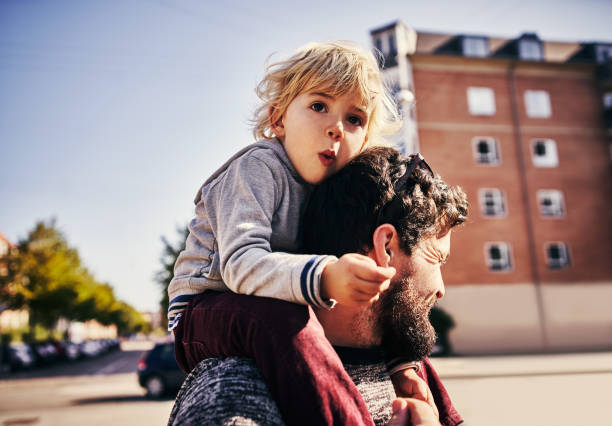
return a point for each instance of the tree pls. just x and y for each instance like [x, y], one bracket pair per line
[46, 277]
[168, 259]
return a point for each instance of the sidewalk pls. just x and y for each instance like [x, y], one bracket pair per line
[530, 390]
[523, 365]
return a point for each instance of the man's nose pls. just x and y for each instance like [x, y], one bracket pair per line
[335, 130]
[441, 290]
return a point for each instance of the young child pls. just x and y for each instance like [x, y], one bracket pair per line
[320, 109]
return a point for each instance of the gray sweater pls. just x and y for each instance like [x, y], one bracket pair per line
[244, 231]
[232, 391]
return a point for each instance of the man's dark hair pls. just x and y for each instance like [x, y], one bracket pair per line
[345, 209]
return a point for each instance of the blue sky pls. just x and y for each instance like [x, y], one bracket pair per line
[112, 113]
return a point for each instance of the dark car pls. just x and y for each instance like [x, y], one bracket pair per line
[158, 371]
[16, 356]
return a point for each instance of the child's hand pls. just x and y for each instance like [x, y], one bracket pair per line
[354, 279]
[408, 384]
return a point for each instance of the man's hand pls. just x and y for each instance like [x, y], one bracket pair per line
[412, 412]
[354, 280]
[408, 384]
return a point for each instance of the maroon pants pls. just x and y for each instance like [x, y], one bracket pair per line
[303, 372]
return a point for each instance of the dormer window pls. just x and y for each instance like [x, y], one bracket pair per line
[530, 49]
[475, 46]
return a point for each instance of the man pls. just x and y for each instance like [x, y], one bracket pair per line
[396, 213]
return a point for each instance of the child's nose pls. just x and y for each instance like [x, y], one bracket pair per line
[336, 131]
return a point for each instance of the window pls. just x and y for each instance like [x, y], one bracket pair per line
[530, 50]
[392, 45]
[475, 46]
[607, 100]
[557, 255]
[537, 104]
[492, 202]
[604, 53]
[486, 151]
[551, 203]
[544, 153]
[481, 100]
[498, 256]
[378, 43]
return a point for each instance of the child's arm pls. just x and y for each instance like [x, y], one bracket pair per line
[242, 207]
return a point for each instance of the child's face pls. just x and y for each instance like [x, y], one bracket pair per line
[322, 133]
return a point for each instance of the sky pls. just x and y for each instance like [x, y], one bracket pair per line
[113, 113]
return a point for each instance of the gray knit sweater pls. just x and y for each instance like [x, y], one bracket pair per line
[245, 228]
[232, 391]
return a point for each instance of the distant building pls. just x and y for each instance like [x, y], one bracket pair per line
[525, 127]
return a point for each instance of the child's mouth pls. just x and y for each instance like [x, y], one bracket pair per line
[327, 157]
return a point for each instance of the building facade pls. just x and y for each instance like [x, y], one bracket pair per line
[525, 127]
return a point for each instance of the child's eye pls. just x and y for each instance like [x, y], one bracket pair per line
[355, 120]
[318, 107]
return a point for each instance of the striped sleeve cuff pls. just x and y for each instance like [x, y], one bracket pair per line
[310, 282]
[176, 308]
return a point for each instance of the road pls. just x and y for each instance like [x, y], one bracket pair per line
[533, 390]
[100, 391]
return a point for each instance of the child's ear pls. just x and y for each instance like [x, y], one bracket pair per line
[276, 122]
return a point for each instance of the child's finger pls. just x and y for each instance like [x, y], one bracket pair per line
[368, 288]
[367, 269]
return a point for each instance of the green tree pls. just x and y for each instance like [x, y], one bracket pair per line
[42, 275]
[46, 277]
[168, 259]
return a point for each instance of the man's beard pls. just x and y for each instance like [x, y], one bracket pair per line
[403, 322]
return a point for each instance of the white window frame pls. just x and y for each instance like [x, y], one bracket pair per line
[530, 50]
[498, 208]
[476, 47]
[481, 100]
[493, 157]
[557, 206]
[550, 157]
[504, 264]
[537, 104]
[564, 259]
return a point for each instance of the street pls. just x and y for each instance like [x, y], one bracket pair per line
[91, 392]
[529, 390]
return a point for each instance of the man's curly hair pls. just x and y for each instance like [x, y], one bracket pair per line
[345, 209]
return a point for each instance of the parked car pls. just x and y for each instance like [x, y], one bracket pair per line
[17, 356]
[158, 371]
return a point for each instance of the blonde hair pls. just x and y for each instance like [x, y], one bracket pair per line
[334, 68]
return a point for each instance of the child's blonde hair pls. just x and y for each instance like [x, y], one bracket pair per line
[334, 68]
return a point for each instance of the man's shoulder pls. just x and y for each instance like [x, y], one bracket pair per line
[225, 391]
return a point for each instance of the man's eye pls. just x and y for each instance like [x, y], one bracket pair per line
[355, 120]
[318, 107]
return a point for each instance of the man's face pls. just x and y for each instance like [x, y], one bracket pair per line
[402, 313]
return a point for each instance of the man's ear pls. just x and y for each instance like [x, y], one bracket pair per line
[276, 122]
[385, 242]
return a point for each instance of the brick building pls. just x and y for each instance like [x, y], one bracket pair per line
[525, 127]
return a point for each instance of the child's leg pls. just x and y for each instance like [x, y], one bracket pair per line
[288, 344]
